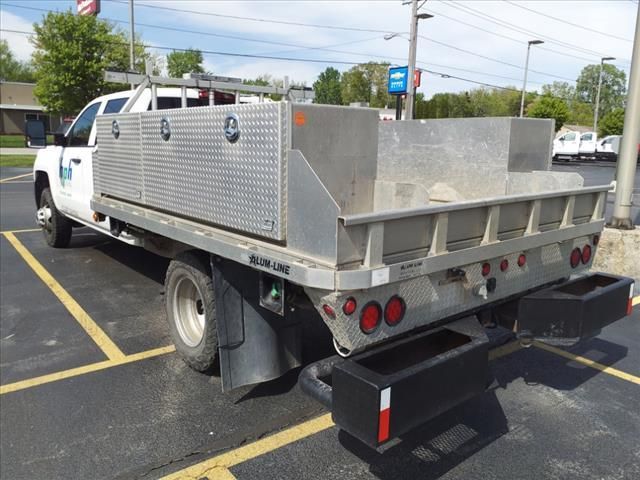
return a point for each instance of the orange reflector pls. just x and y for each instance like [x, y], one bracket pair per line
[299, 119]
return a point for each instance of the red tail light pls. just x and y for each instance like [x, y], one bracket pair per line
[370, 317]
[504, 265]
[576, 257]
[328, 309]
[349, 306]
[586, 254]
[486, 269]
[522, 260]
[394, 310]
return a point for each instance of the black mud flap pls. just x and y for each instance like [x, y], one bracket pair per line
[575, 310]
[379, 395]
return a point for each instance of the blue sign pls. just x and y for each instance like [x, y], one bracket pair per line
[398, 80]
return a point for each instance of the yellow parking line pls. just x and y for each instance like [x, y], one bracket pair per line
[218, 467]
[101, 339]
[24, 230]
[16, 177]
[589, 363]
[74, 372]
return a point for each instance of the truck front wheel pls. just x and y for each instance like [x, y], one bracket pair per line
[55, 226]
[190, 303]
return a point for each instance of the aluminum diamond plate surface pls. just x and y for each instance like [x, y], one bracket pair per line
[429, 300]
[118, 170]
[197, 172]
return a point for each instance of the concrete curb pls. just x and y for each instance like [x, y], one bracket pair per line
[619, 253]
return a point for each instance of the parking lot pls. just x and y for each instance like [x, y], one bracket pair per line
[92, 388]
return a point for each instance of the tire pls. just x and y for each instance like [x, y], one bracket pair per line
[191, 311]
[55, 226]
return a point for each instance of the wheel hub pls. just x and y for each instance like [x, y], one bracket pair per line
[43, 217]
[188, 311]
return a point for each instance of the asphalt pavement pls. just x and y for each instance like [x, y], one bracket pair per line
[90, 387]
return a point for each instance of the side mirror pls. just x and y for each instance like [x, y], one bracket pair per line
[59, 140]
[35, 134]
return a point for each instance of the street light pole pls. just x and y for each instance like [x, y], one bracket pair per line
[597, 109]
[526, 71]
[628, 157]
[132, 58]
[413, 46]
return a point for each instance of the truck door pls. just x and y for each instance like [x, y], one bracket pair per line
[75, 167]
[588, 143]
[568, 144]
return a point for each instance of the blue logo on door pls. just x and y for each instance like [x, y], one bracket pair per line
[65, 174]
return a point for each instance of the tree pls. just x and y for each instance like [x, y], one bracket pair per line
[187, 61]
[367, 82]
[71, 54]
[547, 106]
[612, 123]
[327, 87]
[613, 91]
[11, 69]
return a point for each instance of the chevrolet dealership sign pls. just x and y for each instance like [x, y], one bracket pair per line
[88, 7]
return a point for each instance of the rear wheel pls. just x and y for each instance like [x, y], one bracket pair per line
[190, 303]
[55, 226]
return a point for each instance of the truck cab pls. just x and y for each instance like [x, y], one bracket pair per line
[66, 168]
[573, 145]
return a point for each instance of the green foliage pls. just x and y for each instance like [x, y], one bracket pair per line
[327, 88]
[480, 102]
[11, 69]
[612, 123]
[547, 106]
[71, 54]
[187, 61]
[613, 91]
[17, 160]
[367, 82]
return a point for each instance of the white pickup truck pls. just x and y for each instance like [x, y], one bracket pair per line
[587, 146]
[279, 215]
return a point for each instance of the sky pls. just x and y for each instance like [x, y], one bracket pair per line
[480, 41]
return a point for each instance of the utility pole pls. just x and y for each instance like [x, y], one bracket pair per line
[413, 46]
[132, 55]
[628, 157]
[526, 71]
[595, 115]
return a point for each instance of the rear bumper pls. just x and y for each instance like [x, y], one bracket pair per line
[381, 394]
[567, 313]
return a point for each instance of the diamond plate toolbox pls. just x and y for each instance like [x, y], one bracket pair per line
[188, 162]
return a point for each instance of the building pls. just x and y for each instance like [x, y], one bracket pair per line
[17, 105]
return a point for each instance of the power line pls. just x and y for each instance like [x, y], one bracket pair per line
[507, 37]
[288, 59]
[336, 27]
[368, 55]
[510, 26]
[254, 19]
[589, 29]
[494, 59]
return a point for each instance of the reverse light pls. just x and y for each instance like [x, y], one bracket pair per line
[349, 306]
[586, 254]
[522, 260]
[394, 310]
[504, 265]
[575, 258]
[486, 269]
[370, 317]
